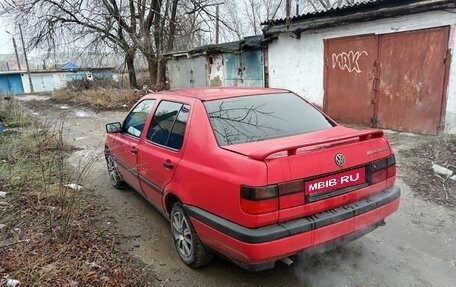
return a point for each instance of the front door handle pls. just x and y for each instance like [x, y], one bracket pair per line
[133, 150]
[168, 164]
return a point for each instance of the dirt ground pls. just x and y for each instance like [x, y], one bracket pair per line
[418, 166]
[417, 247]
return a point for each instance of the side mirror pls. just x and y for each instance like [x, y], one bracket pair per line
[113, 128]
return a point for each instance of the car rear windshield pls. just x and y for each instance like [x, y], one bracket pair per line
[260, 117]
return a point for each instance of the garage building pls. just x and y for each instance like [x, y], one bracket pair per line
[383, 63]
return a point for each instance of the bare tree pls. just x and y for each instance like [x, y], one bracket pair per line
[148, 26]
[52, 22]
[152, 26]
[245, 17]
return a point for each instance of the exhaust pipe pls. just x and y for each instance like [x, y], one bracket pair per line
[287, 261]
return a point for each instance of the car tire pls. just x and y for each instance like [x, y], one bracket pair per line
[188, 245]
[113, 172]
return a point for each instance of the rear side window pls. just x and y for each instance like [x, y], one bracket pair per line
[261, 117]
[134, 123]
[168, 124]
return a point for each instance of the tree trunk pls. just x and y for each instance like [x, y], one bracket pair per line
[161, 70]
[130, 60]
[172, 27]
[152, 68]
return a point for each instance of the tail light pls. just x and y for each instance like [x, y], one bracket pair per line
[258, 200]
[383, 169]
[264, 199]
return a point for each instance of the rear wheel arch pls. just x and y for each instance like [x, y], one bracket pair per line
[175, 192]
[170, 200]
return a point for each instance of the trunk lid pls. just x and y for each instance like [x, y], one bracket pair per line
[318, 170]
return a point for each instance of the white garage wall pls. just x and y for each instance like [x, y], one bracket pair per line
[297, 64]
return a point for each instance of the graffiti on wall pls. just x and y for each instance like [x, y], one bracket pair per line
[348, 61]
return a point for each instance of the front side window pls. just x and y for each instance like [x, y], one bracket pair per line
[168, 124]
[260, 117]
[134, 123]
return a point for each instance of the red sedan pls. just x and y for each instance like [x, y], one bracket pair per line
[254, 175]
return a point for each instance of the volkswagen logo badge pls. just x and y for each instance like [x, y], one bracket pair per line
[339, 159]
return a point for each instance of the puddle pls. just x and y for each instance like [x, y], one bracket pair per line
[81, 114]
[29, 98]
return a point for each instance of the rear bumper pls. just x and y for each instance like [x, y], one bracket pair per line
[273, 242]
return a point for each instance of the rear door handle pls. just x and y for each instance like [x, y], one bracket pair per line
[168, 164]
[133, 150]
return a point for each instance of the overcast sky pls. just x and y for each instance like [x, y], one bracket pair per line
[6, 44]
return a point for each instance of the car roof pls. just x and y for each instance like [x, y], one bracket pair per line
[212, 93]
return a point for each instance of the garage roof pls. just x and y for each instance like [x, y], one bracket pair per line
[363, 11]
[247, 43]
[12, 72]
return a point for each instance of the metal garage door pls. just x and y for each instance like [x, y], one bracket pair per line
[43, 82]
[11, 84]
[411, 90]
[392, 81]
[349, 68]
[187, 72]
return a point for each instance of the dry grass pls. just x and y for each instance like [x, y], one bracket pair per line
[142, 78]
[52, 235]
[38, 256]
[11, 115]
[97, 98]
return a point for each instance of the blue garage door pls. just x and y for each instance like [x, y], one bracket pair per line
[11, 84]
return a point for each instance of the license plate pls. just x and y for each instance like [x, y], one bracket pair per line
[336, 181]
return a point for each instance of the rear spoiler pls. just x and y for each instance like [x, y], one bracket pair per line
[362, 136]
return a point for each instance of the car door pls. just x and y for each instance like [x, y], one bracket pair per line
[162, 149]
[125, 147]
